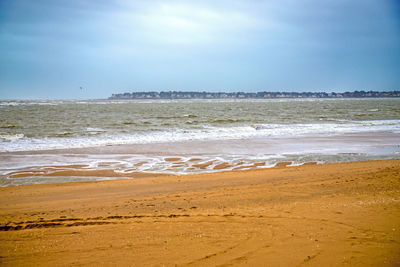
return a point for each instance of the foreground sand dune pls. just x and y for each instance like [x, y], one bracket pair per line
[318, 215]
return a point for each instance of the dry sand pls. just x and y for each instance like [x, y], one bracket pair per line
[317, 215]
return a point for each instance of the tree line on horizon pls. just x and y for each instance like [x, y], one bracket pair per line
[243, 95]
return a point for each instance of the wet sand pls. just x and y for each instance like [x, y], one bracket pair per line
[317, 215]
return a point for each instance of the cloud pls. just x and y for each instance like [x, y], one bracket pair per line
[184, 23]
[202, 44]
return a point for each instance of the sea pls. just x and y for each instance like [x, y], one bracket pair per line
[189, 136]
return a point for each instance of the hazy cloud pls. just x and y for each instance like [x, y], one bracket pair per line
[120, 45]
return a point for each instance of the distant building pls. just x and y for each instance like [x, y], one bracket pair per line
[243, 95]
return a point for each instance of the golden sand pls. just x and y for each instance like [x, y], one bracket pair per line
[203, 165]
[172, 159]
[222, 166]
[316, 215]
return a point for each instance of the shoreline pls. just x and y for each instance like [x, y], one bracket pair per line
[333, 213]
[62, 174]
[73, 171]
[190, 157]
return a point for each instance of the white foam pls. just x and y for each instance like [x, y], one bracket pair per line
[129, 163]
[11, 137]
[99, 137]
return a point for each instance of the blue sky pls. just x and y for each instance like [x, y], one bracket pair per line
[50, 48]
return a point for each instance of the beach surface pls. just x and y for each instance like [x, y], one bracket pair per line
[318, 215]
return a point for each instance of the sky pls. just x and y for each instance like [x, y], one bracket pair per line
[51, 48]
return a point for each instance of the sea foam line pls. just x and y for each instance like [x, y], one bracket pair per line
[18, 142]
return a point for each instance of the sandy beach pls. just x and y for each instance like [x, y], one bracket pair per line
[317, 215]
[199, 133]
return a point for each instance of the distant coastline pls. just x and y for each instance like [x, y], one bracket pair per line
[244, 95]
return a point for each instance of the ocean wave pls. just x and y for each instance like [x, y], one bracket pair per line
[95, 130]
[29, 103]
[100, 137]
[190, 116]
[63, 134]
[11, 137]
[9, 126]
